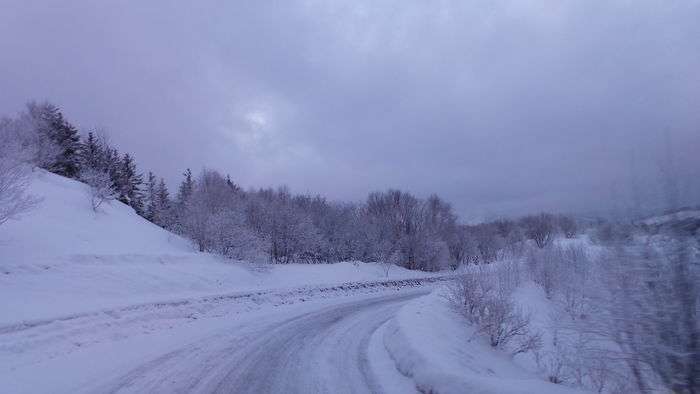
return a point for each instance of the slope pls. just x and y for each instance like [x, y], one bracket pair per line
[62, 259]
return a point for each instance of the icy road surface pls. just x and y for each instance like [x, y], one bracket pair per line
[334, 349]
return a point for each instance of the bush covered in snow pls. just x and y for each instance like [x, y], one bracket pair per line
[484, 297]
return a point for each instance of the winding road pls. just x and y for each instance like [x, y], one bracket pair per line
[327, 350]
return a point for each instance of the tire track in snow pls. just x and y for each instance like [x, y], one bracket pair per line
[324, 351]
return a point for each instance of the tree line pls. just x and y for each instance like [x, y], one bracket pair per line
[269, 224]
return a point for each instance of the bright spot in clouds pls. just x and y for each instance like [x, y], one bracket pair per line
[256, 119]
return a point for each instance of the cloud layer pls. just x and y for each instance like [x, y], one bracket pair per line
[501, 107]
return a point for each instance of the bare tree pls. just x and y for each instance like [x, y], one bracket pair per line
[486, 241]
[100, 186]
[504, 323]
[563, 273]
[539, 228]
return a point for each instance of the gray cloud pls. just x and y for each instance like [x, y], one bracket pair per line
[500, 107]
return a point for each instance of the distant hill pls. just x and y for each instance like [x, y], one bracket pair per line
[686, 220]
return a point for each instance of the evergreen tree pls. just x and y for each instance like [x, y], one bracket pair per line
[182, 206]
[163, 215]
[129, 184]
[63, 134]
[92, 154]
[151, 198]
[186, 188]
[113, 165]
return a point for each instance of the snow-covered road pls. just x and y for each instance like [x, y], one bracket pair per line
[328, 350]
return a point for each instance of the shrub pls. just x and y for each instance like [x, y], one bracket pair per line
[484, 299]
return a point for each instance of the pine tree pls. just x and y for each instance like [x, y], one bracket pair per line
[182, 203]
[163, 205]
[113, 165]
[63, 134]
[151, 198]
[92, 154]
[186, 188]
[129, 184]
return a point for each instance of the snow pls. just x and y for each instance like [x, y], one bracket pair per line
[185, 344]
[437, 348]
[390, 379]
[78, 285]
[63, 259]
[64, 225]
[531, 298]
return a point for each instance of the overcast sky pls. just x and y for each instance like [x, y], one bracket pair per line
[501, 107]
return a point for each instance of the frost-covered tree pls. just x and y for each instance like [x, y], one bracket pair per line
[414, 232]
[14, 173]
[129, 184]
[287, 229]
[150, 198]
[53, 126]
[233, 239]
[100, 186]
[94, 152]
[163, 207]
[214, 217]
[539, 228]
[98, 169]
[486, 242]
[186, 188]
[27, 131]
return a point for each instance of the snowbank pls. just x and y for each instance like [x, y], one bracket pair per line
[436, 347]
[63, 259]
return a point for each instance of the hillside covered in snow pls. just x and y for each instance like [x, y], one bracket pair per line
[62, 258]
